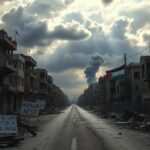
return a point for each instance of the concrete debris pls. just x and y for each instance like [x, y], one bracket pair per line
[134, 121]
[24, 126]
[129, 114]
[10, 139]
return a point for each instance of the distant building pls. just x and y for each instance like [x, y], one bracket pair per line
[20, 81]
[13, 85]
[30, 78]
[102, 93]
[95, 93]
[121, 99]
[7, 47]
[41, 84]
[145, 78]
[133, 93]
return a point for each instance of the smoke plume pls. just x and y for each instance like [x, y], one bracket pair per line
[92, 68]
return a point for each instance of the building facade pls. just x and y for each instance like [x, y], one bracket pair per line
[7, 47]
[41, 84]
[145, 79]
[30, 78]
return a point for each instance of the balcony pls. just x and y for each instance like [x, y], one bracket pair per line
[7, 41]
[44, 81]
[9, 88]
[29, 89]
[31, 73]
[6, 65]
[145, 68]
[43, 91]
[29, 61]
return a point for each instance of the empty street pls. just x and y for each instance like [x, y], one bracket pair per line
[78, 129]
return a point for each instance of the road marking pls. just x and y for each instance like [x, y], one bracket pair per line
[74, 144]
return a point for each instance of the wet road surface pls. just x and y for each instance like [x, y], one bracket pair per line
[78, 129]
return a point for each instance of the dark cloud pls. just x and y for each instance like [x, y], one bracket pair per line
[119, 28]
[3, 1]
[17, 18]
[146, 37]
[64, 60]
[31, 31]
[90, 71]
[74, 55]
[48, 8]
[140, 17]
[35, 33]
[71, 31]
[67, 79]
[106, 2]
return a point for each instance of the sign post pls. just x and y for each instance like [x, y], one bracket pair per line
[30, 109]
[8, 124]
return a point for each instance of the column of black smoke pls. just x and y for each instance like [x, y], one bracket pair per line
[92, 68]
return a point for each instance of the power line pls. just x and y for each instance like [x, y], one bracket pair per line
[145, 49]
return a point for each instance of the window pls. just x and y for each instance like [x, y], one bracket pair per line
[22, 81]
[148, 69]
[117, 89]
[11, 80]
[42, 75]
[18, 80]
[136, 75]
[143, 71]
[136, 88]
[19, 64]
[42, 86]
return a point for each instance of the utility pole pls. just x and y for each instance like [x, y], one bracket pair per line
[149, 47]
[125, 81]
[125, 59]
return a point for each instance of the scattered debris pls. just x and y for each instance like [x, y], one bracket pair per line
[10, 139]
[145, 126]
[129, 114]
[134, 120]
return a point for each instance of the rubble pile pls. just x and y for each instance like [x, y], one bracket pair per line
[24, 126]
[134, 120]
[10, 139]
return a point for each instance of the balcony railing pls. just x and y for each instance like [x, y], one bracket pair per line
[7, 41]
[30, 61]
[7, 87]
[6, 64]
[31, 73]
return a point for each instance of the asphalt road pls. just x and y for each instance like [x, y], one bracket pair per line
[78, 129]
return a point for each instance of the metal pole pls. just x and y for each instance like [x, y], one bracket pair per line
[126, 83]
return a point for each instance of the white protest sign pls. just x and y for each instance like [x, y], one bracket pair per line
[30, 109]
[41, 104]
[8, 124]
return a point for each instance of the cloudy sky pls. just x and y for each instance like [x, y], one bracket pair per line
[67, 36]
